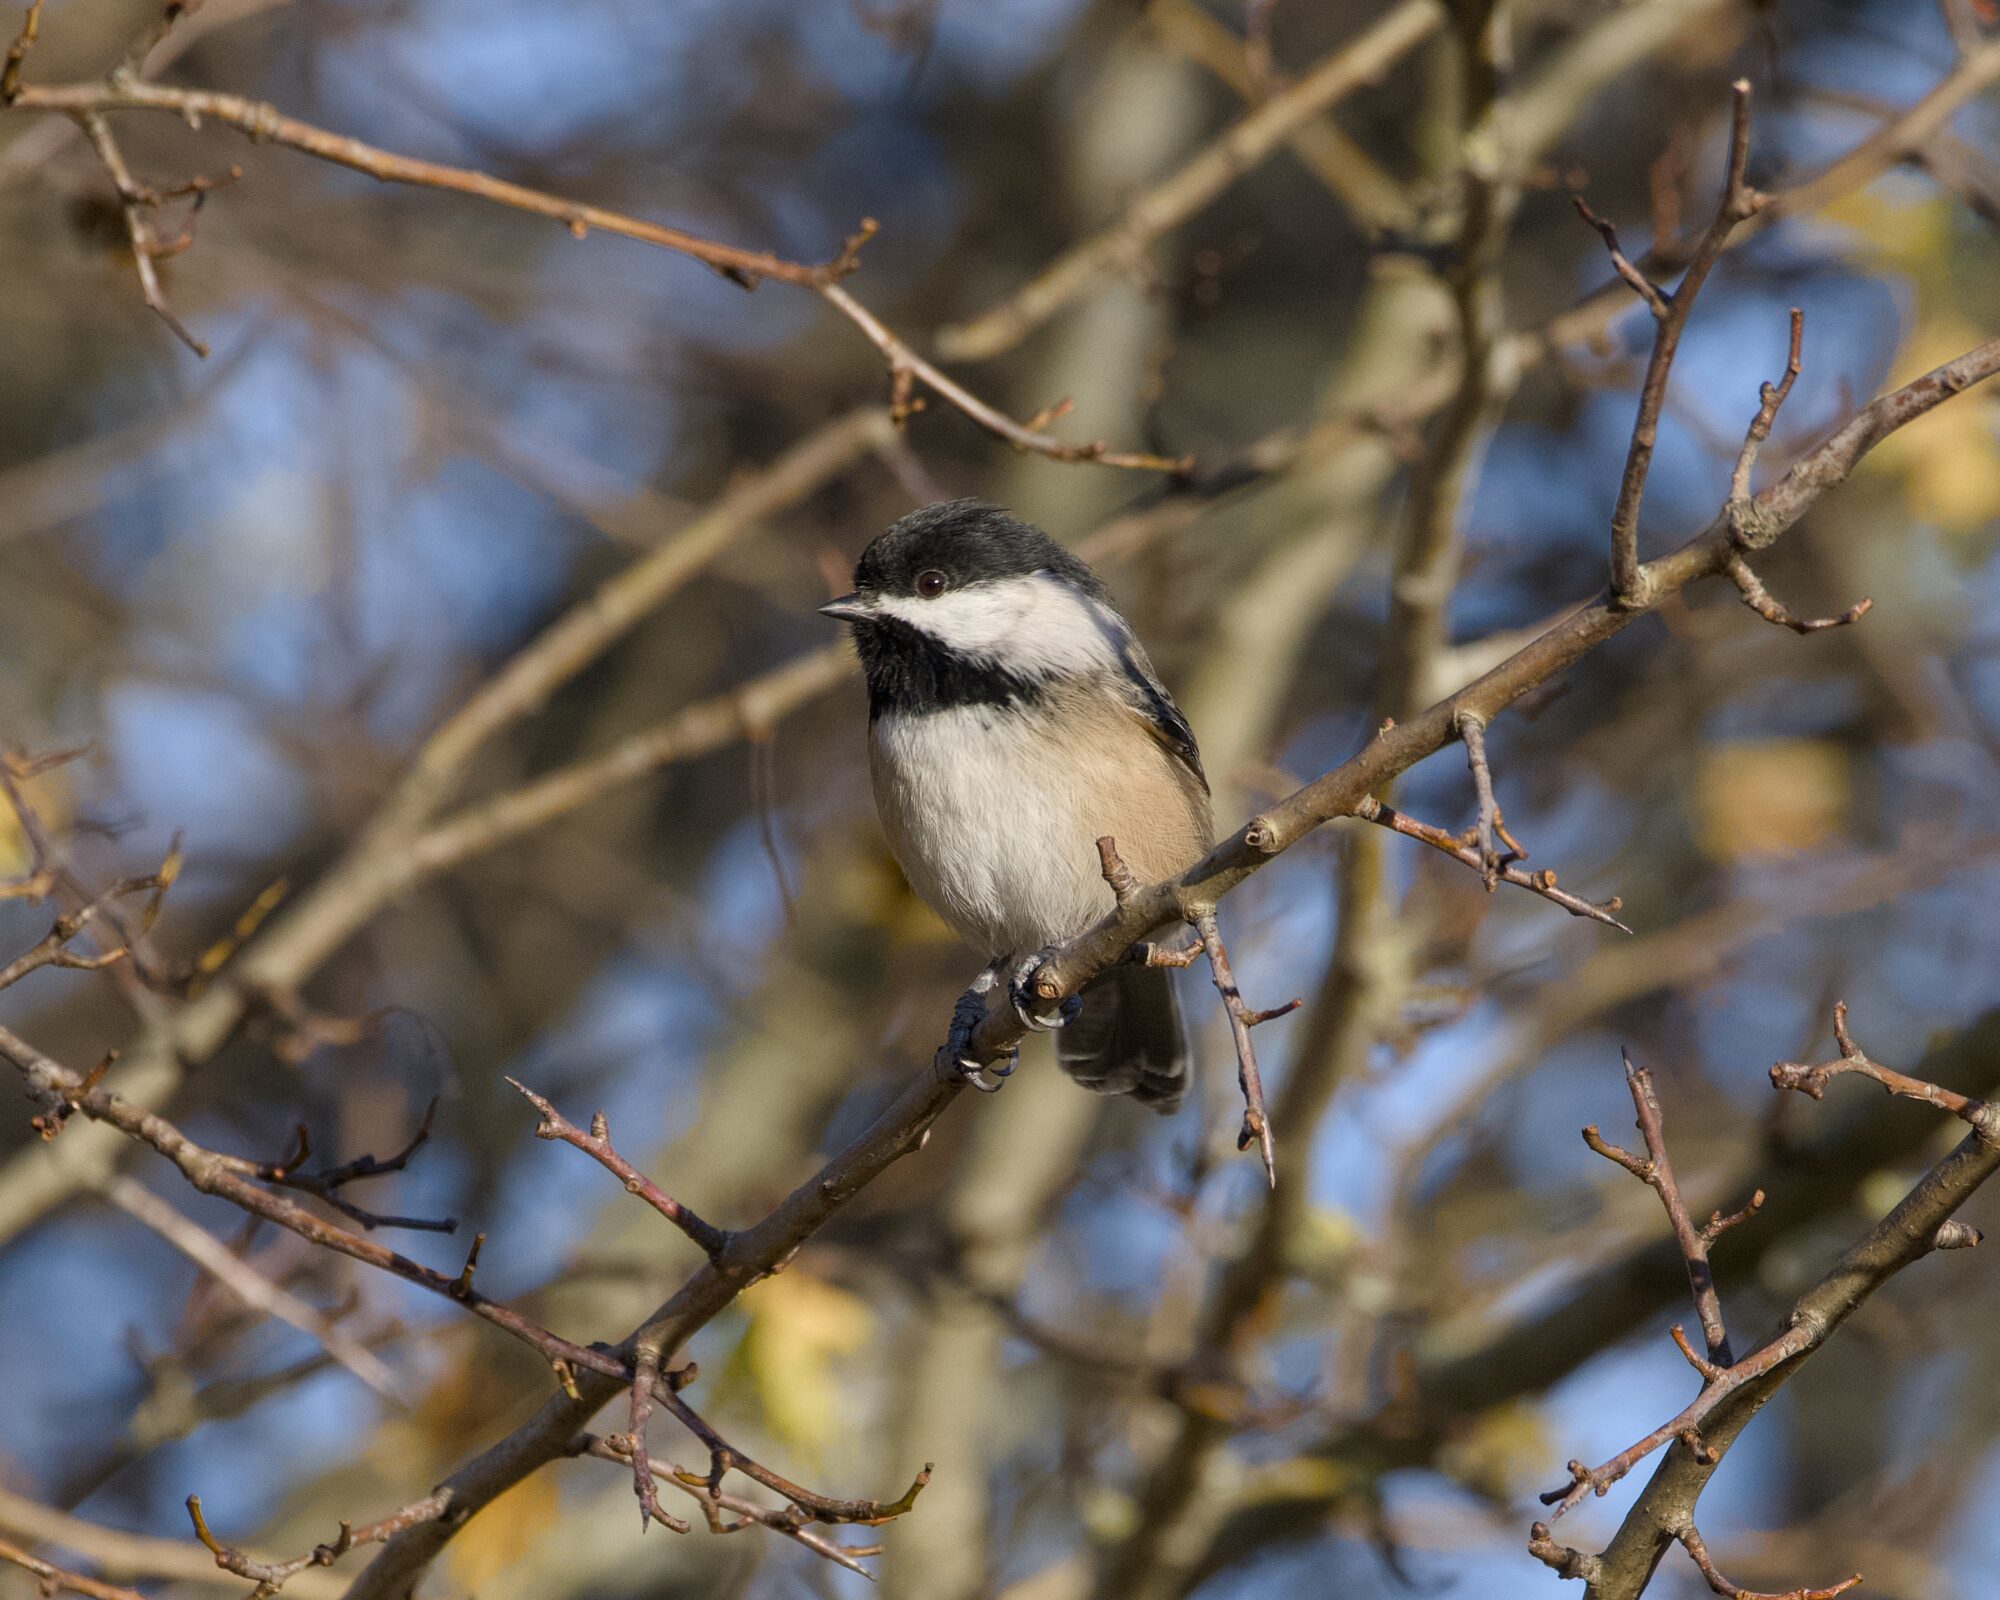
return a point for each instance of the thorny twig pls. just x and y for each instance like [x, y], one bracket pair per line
[1920, 1224]
[52, 1578]
[597, 1145]
[1741, 511]
[1670, 314]
[789, 1520]
[1256, 1119]
[1812, 1080]
[326, 1185]
[271, 1576]
[645, 1379]
[1461, 847]
[87, 104]
[1657, 1172]
[724, 1458]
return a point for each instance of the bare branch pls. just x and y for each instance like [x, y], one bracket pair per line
[788, 1522]
[1812, 1080]
[1658, 1173]
[597, 1145]
[1641, 285]
[1730, 1396]
[55, 1579]
[1722, 1586]
[1771, 397]
[326, 1186]
[269, 1577]
[1459, 848]
[1739, 202]
[1256, 1127]
[251, 1287]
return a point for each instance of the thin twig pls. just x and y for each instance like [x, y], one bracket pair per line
[250, 1286]
[1812, 1080]
[1657, 1172]
[326, 1185]
[58, 1580]
[645, 1379]
[1692, 1541]
[597, 1145]
[132, 201]
[1256, 1127]
[269, 1577]
[1640, 284]
[788, 1521]
[17, 53]
[1472, 733]
[724, 1458]
[1739, 202]
[1771, 397]
[1459, 848]
[906, 366]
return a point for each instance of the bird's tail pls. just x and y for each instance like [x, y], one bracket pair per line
[1128, 1039]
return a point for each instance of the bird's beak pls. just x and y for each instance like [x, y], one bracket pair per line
[848, 608]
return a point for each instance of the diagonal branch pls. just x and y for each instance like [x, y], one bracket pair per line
[1460, 848]
[89, 104]
[60, 1580]
[1812, 1080]
[271, 1576]
[1699, 1436]
[250, 1286]
[902, 1126]
[597, 1145]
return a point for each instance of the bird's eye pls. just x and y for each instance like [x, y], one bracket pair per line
[931, 584]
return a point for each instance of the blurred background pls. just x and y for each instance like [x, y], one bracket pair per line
[250, 585]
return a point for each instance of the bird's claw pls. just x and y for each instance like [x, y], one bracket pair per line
[974, 1073]
[1033, 1016]
[954, 1062]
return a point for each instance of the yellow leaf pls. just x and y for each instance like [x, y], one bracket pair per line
[1501, 1450]
[48, 796]
[1769, 797]
[1894, 228]
[1950, 461]
[799, 1327]
[501, 1537]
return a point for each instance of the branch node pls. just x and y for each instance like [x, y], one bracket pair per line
[461, 1287]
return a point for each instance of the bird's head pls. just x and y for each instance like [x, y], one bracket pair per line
[961, 603]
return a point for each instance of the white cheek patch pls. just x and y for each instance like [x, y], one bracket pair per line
[1034, 627]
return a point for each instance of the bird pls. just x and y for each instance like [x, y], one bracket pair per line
[1013, 720]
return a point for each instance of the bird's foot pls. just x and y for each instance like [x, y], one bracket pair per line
[954, 1062]
[1035, 1015]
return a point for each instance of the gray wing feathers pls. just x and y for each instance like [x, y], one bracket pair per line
[1150, 698]
[1128, 1039]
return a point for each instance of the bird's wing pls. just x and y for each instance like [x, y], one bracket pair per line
[1149, 698]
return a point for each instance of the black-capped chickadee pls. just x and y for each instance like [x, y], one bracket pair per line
[1013, 720]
